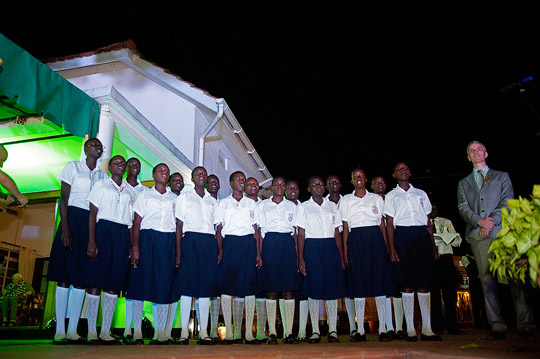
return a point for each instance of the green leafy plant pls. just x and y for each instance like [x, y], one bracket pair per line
[516, 252]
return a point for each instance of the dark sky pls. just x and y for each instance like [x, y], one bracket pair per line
[323, 89]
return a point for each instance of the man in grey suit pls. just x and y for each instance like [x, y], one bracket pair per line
[481, 197]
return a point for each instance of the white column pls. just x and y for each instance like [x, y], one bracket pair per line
[105, 135]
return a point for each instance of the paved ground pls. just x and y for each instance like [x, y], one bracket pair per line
[471, 345]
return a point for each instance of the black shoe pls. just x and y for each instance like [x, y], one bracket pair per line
[108, 342]
[315, 338]
[528, 335]
[128, 339]
[205, 341]
[400, 335]
[182, 341]
[79, 341]
[412, 338]
[302, 340]
[226, 342]
[333, 337]
[362, 337]
[272, 340]
[253, 341]
[291, 339]
[158, 342]
[137, 342]
[391, 334]
[93, 342]
[384, 337]
[237, 341]
[263, 340]
[62, 341]
[354, 337]
[496, 335]
[430, 338]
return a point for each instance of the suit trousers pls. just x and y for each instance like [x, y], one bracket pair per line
[524, 317]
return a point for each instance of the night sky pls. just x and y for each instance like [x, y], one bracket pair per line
[324, 89]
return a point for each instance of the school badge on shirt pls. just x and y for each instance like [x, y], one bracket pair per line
[290, 216]
[375, 209]
[252, 214]
[333, 219]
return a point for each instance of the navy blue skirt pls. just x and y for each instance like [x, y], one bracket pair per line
[279, 262]
[238, 268]
[110, 270]
[370, 270]
[324, 276]
[415, 251]
[197, 273]
[153, 278]
[65, 263]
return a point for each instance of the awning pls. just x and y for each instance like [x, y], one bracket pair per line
[42, 90]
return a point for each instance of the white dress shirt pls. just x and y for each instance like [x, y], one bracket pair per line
[277, 217]
[156, 210]
[114, 203]
[237, 217]
[137, 189]
[318, 221]
[361, 211]
[81, 179]
[407, 208]
[196, 213]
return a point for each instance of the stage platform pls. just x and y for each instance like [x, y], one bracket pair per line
[471, 345]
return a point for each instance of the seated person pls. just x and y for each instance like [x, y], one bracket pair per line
[14, 292]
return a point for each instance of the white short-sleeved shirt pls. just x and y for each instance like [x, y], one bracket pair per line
[137, 189]
[197, 214]
[361, 211]
[81, 179]
[318, 221]
[237, 217]
[114, 203]
[156, 210]
[407, 208]
[277, 217]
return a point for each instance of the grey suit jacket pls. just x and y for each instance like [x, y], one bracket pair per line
[475, 204]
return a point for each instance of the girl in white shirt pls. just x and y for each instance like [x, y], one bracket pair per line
[320, 257]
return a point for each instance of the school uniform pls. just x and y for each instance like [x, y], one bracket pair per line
[65, 263]
[369, 270]
[412, 241]
[153, 278]
[114, 218]
[324, 278]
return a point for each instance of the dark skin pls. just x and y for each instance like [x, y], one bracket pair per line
[133, 171]
[238, 184]
[212, 186]
[278, 191]
[358, 180]
[161, 177]
[117, 168]
[93, 150]
[378, 185]
[199, 179]
[333, 185]
[292, 191]
[316, 188]
[402, 173]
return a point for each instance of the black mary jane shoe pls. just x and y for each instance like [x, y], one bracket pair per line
[272, 340]
[314, 338]
[332, 337]
[384, 337]
[354, 337]
[205, 341]
[412, 338]
[430, 338]
[62, 341]
[79, 341]
[182, 341]
[252, 342]
[290, 339]
[159, 342]
[400, 335]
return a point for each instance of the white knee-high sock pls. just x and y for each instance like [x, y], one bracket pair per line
[271, 312]
[226, 307]
[398, 312]
[424, 302]
[109, 304]
[250, 313]
[360, 308]
[331, 315]
[214, 316]
[196, 307]
[92, 306]
[185, 311]
[388, 314]
[160, 320]
[204, 309]
[61, 300]
[380, 302]
[314, 314]
[75, 303]
[238, 314]
[302, 318]
[281, 302]
[261, 318]
[137, 306]
[171, 316]
[351, 314]
[129, 317]
[408, 308]
[289, 316]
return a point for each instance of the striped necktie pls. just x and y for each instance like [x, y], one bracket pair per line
[480, 179]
